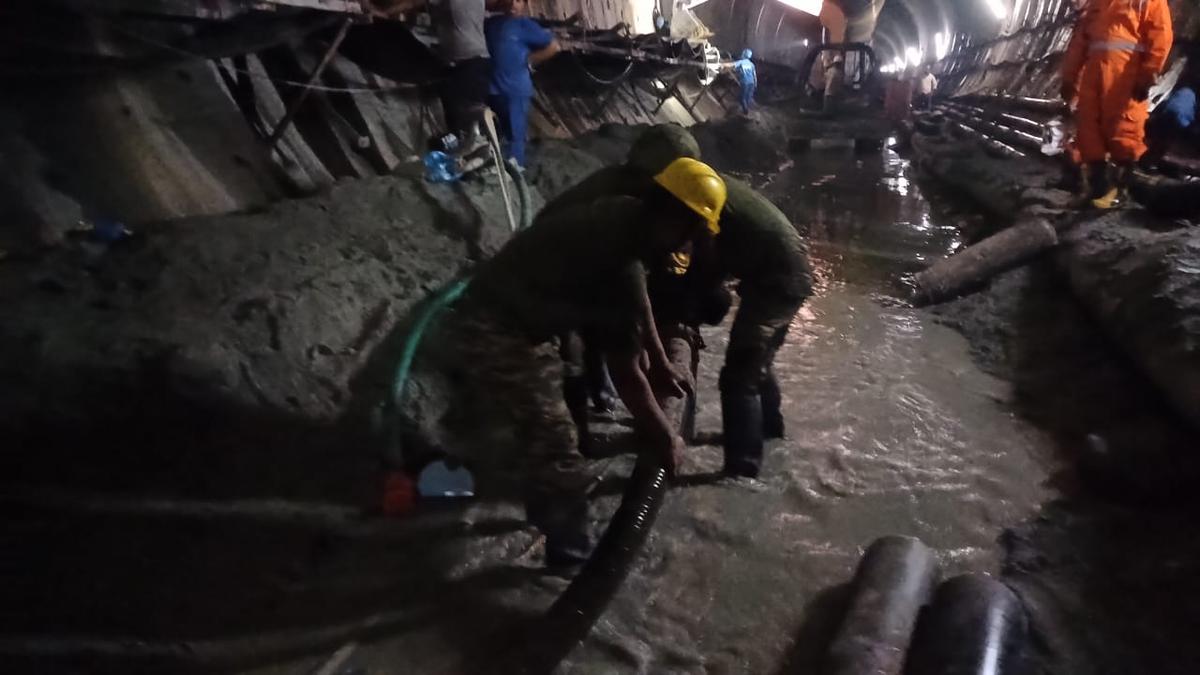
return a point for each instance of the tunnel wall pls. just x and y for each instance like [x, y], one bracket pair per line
[1024, 60]
[773, 30]
[186, 136]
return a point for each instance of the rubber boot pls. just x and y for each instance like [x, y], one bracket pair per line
[772, 402]
[1083, 193]
[575, 393]
[565, 523]
[742, 417]
[600, 385]
[1115, 195]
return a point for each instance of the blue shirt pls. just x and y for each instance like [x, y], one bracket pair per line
[510, 40]
[744, 69]
[1182, 106]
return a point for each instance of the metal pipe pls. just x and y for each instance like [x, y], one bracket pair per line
[892, 583]
[975, 626]
[630, 53]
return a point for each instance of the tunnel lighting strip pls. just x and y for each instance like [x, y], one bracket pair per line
[807, 6]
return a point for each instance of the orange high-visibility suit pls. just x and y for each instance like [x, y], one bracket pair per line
[1117, 51]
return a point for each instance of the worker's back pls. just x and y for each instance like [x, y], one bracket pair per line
[611, 181]
[459, 25]
[1119, 21]
[577, 267]
[759, 245]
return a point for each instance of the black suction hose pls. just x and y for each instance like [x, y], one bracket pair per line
[569, 620]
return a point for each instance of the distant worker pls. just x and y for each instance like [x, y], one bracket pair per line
[927, 86]
[517, 43]
[1116, 53]
[578, 270]
[755, 244]
[461, 45]
[1170, 122]
[747, 77]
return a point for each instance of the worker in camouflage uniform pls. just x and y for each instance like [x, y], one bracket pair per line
[579, 269]
[758, 246]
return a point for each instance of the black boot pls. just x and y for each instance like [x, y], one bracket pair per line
[575, 393]
[772, 401]
[742, 417]
[565, 523]
[600, 385]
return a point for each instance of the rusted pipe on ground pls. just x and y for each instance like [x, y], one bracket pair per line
[1041, 105]
[975, 265]
[993, 132]
[1004, 132]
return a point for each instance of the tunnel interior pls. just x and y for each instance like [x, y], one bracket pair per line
[236, 244]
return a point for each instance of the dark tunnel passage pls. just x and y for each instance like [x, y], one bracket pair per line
[252, 276]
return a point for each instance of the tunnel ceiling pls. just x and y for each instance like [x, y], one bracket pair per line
[915, 23]
[773, 28]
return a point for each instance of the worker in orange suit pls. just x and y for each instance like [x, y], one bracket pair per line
[1116, 53]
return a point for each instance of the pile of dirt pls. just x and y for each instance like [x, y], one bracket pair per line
[746, 145]
[1143, 282]
[228, 354]
[749, 144]
[245, 354]
[1135, 273]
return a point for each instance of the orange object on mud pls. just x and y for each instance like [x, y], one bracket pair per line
[399, 494]
[1117, 51]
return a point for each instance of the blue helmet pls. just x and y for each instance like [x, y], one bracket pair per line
[746, 53]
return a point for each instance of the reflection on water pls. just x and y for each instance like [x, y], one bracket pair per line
[866, 219]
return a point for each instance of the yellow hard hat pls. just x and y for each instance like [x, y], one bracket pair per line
[696, 184]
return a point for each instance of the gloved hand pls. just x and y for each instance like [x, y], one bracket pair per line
[1141, 92]
[1068, 91]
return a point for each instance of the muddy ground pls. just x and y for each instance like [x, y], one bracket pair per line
[960, 425]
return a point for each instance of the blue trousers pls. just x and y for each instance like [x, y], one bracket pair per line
[748, 95]
[513, 112]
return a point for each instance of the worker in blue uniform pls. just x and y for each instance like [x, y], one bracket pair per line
[516, 43]
[747, 76]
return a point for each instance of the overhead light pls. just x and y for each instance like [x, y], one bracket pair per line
[805, 42]
[807, 6]
[999, 9]
[913, 56]
[941, 45]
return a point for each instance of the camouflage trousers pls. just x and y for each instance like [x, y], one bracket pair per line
[758, 331]
[509, 419]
